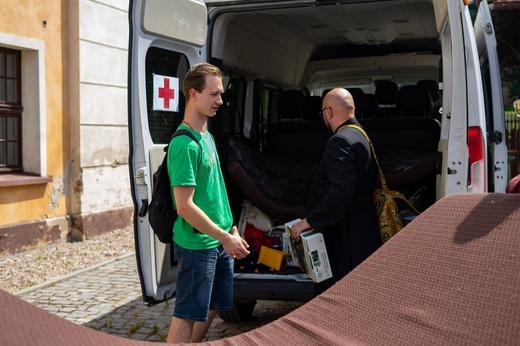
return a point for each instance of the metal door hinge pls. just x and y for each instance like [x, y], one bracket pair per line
[140, 173]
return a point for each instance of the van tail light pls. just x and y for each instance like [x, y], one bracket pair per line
[477, 169]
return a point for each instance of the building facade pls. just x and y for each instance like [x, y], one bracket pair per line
[63, 121]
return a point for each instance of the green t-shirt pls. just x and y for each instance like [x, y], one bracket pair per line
[192, 165]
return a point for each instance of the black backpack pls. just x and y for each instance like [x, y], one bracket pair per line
[161, 213]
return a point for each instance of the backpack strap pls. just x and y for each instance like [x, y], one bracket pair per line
[183, 132]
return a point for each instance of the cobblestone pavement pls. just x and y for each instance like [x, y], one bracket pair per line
[107, 298]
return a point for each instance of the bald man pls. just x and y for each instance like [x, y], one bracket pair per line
[340, 198]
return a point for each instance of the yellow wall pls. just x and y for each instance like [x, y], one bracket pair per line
[25, 18]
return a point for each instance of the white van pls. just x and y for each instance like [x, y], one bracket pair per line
[425, 81]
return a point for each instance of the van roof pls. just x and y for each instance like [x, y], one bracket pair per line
[380, 26]
[326, 37]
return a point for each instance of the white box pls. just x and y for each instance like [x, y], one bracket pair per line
[310, 253]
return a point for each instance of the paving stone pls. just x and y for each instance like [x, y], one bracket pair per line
[108, 298]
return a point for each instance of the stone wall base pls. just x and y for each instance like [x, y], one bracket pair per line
[31, 235]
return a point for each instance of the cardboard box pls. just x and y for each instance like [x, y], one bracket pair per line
[310, 253]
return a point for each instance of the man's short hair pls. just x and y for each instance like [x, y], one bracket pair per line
[196, 77]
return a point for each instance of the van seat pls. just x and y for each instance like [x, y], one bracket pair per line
[414, 101]
[291, 105]
[277, 186]
[359, 101]
[432, 87]
[372, 106]
[325, 92]
[386, 94]
[313, 108]
[408, 148]
[292, 136]
[297, 139]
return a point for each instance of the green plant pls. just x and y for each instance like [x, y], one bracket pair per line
[155, 329]
[135, 327]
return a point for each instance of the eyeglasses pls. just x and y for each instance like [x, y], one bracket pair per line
[321, 112]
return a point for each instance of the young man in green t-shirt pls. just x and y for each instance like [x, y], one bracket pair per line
[205, 239]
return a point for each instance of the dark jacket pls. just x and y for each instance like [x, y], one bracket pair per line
[341, 205]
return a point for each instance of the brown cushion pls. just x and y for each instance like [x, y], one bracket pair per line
[448, 278]
[25, 324]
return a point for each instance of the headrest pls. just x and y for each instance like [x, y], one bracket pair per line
[432, 87]
[386, 92]
[359, 100]
[414, 101]
[372, 106]
[325, 92]
[291, 104]
[313, 107]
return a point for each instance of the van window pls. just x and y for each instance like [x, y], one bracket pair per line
[164, 63]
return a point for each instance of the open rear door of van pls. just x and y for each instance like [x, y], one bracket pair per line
[497, 149]
[166, 38]
[463, 141]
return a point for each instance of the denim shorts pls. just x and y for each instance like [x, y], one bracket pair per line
[204, 282]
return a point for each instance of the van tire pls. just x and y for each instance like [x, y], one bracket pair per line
[242, 312]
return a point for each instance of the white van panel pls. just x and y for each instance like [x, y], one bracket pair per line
[487, 50]
[165, 28]
[247, 40]
[453, 143]
[475, 103]
[184, 21]
[441, 13]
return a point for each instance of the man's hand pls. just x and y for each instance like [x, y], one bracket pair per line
[234, 245]
[299, 228]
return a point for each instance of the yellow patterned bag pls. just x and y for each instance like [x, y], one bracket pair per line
[385, 200]
[390, 221]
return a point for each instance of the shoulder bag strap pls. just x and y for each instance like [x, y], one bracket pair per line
[381, 176]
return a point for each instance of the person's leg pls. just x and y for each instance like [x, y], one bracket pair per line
[201, 328]
[221, 295]
[195, 275]
[180, 331]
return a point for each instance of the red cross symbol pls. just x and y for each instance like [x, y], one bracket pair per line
[166, 93]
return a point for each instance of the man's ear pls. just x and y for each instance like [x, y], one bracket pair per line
[193, 94]
[329, 113]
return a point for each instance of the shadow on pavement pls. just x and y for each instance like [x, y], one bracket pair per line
[137, 321]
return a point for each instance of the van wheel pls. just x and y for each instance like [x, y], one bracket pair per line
[242, 311]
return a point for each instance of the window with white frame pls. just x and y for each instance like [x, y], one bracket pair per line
[23, 127]
[10, 110]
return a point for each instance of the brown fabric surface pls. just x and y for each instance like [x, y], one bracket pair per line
[451, 277]
[22, 323]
